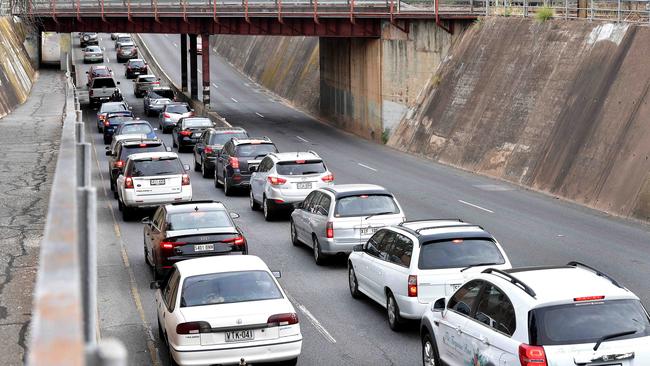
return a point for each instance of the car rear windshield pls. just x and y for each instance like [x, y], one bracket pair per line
[127, 47]
[194, 123]
[199, 220]
[459, 253]
[153, 167]
[117, 107]
[364, 205]
[93, 49]
[255, 150]
[124, 39]
[148, 79]
[136, 128]
[301, 167]
[163, 94]
[101, 72]
[138, 63]
[140, 148]
[119, 120]
[103, 83]
[229, 287]
[587, 322]
[223, 137]
[179, 109]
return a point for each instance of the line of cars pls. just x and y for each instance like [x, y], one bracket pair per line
[453, 277]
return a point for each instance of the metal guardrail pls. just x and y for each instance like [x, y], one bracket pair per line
[64, 323]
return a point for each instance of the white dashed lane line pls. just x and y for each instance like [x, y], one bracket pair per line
[475, 206]
[312, 319]
[234, 100]
[261, 116]
[367, 167]
[301, 139]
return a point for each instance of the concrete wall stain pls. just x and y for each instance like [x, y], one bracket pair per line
[16, 71]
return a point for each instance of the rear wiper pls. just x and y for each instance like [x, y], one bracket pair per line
[305, 173]
[477, 265]
[380, 213]
[611, 336]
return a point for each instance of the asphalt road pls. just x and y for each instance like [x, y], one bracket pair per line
[533, 228]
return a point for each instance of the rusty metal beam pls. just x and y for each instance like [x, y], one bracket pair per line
[194, 80]
[205, 67]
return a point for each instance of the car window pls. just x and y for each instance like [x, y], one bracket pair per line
[386, 243]
[400, 252]
[93, 49]
[127, 47]
[265, 165]
[301, 167]
[458, 253]
[148, 168]
[127, 150]
[495, 310]
[136, 128]
[307, 203]
[364, 205]
[221, 138]
[198, 220]
[254, 150]
[103, 83]
[465, 298]
[229, 287]
[169, 291]
[372, 246]
[101, 72]
[194, 123]
[119, 120]
[322, 207]
[179, 109]
[163, 93]
[161, 101]
[586, 322]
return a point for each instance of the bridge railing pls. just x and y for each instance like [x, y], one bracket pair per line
[624, 11]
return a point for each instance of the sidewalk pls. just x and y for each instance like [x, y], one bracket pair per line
[29, 141]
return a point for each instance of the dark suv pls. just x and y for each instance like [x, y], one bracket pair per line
[236, 157]
[135, 67]
[188, 130]
[209, 146]
[122, 151]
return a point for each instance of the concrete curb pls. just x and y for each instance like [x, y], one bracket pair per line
[197, 105]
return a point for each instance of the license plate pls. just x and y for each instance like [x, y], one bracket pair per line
[367, 230]
[136, 73]
[157, 182]
[304, 185]
[240, 336]
[196, 135]
[203, 247]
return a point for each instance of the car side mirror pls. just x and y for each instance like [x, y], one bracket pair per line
[186, 166]
[109, 153]
[146, 221]
[439, 305]
[357, 248]
[277, 274]
[154, 285]
[252, 169]
[234, 215]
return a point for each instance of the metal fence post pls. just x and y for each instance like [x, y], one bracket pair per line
[591, 10]
[618, 10]
[87, 199]
[566, 8]
[525, 8]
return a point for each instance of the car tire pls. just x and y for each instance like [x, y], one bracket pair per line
[227, 189]
[430, 355]
[294, 235]
[127, 213]
[100, 129]
[353, 283]
[119, 203]
[197, 166]
[107, 141]
[268, 209]
[395, 320]
[115, 195]
[146, 254]
[216, 180]
[174, 143]
[291, 362]
[319, 257]
[157, 276]
[161, 334]
[205, 173]
[252, 203]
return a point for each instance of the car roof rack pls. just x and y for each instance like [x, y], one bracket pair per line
[313, 152]
[427, 220]
[193, 202]
[535, 268]
[446, 227]
[596, 271]
[514, 280]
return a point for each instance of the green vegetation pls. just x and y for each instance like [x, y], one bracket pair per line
[385, 135]
[544, 13]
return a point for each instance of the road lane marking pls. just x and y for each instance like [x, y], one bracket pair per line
[259, 115]
[312, 319]
[367, 167]
[475, 206]
[234, 100]
[301, 139]
[215, 85]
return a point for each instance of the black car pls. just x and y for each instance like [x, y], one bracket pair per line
[122, 150]
[135, 67]
[237, 155]
[188, 130]
[112, 121]
[187, 230]
[155, 98]
[209, 146]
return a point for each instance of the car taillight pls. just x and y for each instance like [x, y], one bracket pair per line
[193, 328]
[413, 286]
[167, 115]
[186, 180]
[156, 83]
[106, 123]
[128, 183]
[532, 355]
[588, 298]
[171, 244]
[119, 164]
[276, 181]
[238, 240]
[185, 133]
[208, 150]
[234, 162]
[282, 319]
[329, 231]
[328, 178]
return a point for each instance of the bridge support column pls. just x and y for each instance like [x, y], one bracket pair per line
[194, 82]
[184, 63]
[205, 67]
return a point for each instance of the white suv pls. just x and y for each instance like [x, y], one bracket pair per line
[538, 316]
[407, 266]
[283, 179]
[151, 179]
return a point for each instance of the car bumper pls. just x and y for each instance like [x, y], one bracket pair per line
[240, 180]
[410, 307]
[282, 351]
[166, 123]
[288, 196]
[94, 58]
[133, 201]
[101, 99]
[336, 246]
[186, 141]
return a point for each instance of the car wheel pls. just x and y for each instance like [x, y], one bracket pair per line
[251, 201]
[161, 334]
[227, 189]
[100, 129]
[197, 166]
[107, 141]
[392, 311]
[205, 173]
[120, 206]
[430, 355]
[174, 143]
[115, 195]
[294, 235]
[216, 180]
[318, 254]
[146, 255]
[352, 282]
[291, 362]
[268, 209]
[127, 213]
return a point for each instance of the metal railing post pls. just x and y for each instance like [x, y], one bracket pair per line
[618, 11]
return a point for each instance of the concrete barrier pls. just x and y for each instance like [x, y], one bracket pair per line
[16, 71]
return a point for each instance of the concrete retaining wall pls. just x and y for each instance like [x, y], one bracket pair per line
[561, 107]
[16, 71]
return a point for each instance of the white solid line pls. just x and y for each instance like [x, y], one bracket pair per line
[215, 85]
[301, 139]
[475, 206]
[259, 115]
[367, 167]
[312, 319]
[234, 100]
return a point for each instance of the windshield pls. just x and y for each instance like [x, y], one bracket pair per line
[199, 220]
[113, 107]
[137, 128]
[222, 138]
[134, 149]
[138, 63]
[103, 83]
[148, 79]
[459, 253]
[180, 109]
[301, 167]
[148, 168]
[255, 149]
[364, 205]
[587, 322]
[192, 123]
[229, 287]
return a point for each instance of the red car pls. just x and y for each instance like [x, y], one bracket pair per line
[98, 71]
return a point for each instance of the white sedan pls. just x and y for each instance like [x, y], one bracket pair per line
[222, 310]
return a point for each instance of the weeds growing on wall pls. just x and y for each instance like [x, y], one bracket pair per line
[385, 135]
[544, 13]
